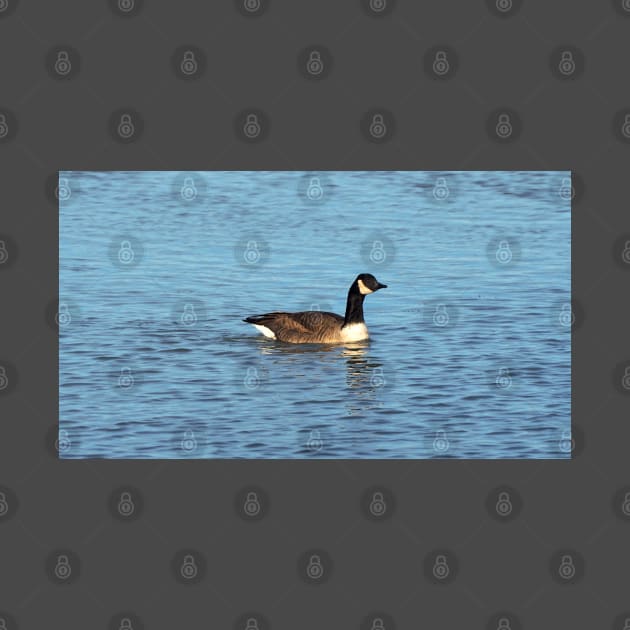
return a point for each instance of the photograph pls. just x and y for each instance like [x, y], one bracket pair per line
[315, 315]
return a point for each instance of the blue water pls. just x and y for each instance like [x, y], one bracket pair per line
[470, 343]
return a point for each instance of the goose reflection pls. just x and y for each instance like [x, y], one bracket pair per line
[363, 373]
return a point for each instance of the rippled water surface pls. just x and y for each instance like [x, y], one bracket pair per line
[470, 347]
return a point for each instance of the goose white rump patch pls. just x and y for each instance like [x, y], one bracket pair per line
[265, 331]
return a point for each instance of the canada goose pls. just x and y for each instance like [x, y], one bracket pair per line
[318, 326]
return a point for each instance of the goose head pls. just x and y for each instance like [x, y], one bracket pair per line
[366, 283]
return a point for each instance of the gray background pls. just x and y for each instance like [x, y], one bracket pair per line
[121, 566]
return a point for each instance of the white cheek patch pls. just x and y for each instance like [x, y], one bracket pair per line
[363, 289]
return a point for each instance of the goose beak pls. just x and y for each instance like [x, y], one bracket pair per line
[379, 285]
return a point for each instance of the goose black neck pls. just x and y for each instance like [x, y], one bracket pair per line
[354, 306]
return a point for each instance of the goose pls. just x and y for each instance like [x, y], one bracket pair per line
[318, 326]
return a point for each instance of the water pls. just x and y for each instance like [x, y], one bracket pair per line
[470, 344]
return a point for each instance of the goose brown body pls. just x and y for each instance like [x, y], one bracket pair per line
[320, 326]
